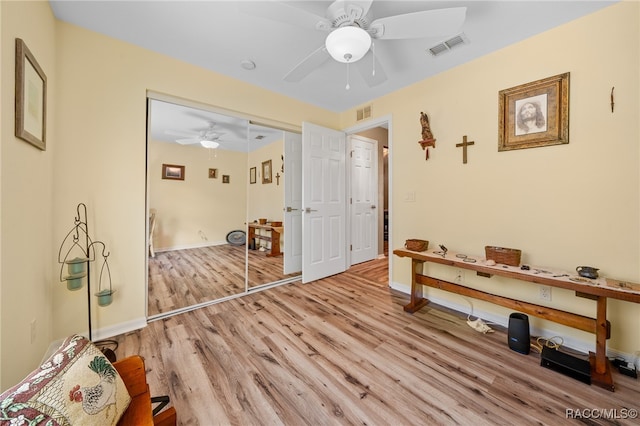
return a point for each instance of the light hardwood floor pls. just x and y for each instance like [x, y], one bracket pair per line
[342, 351]
[182, 278]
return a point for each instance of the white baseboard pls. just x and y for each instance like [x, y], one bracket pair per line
[492, 318]
[190, 246]
[122, 328]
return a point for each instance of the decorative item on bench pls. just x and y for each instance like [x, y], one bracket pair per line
[587, 272]
[416, 245]
[506, 256]
[79, 251]
[275, 223]
[427, 137]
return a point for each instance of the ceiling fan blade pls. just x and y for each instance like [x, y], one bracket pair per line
[188, 141]
[283, 12]
[308, 64]
[365, 67]
[428, 23]
[179, 133]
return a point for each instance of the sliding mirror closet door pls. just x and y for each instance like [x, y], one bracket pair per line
[197, 199]
[273, 239]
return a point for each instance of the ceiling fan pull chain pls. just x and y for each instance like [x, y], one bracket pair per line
[373, 55]
[348, 87]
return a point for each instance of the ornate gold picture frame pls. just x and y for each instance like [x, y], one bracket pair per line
[534, 114]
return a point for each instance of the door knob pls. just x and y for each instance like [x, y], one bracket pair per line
[309, 210]
[289, 209]
[373, 206]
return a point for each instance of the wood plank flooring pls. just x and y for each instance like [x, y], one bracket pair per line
[182, 278]
[342, 351]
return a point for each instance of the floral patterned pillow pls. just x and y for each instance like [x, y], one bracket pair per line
[77, 385]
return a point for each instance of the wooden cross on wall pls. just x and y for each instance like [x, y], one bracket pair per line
[464, 146]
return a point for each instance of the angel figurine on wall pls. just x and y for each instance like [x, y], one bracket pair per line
[427, 137]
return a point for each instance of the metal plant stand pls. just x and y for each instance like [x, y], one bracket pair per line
[77, 251]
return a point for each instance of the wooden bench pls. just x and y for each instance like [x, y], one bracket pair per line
[598, 290]
[140, 411]
[274, 237]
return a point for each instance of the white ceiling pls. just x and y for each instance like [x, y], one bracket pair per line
[170, 122]
[219, 35]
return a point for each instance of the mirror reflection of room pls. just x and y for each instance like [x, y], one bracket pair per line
[196, 164]
[200, 201]
[266, 202]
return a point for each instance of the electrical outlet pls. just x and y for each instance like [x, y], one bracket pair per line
[33, 330]
[545, 293]
[459, 278]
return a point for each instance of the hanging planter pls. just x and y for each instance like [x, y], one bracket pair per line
[77, 241]
[74, 282]
[105, 297]
[76, 265]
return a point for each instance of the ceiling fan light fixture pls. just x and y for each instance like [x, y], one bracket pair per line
[348, 44]
[209, 144]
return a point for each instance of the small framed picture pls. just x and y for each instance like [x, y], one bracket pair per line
[172, 172]
[266, 172]
[213, 173]
[31, 98]
[225, 178]
[534, 114]
[252, 175]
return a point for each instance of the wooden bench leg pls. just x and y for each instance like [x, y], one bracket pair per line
[417, 299]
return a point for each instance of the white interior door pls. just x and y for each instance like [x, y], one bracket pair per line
[364, 198]
[324, 202]
[292, 202]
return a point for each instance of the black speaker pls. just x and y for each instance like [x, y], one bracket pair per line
[518, 335]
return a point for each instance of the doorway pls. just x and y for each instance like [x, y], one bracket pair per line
[379, 130]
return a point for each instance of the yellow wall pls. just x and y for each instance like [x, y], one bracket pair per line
[564, 206]
[96, 155]
[102, 120]
[196, 211]
[266, 200]
[26, 196]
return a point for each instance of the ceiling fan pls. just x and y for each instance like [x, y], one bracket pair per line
[208, 137]
[353, 29]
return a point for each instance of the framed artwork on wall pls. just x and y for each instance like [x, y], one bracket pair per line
[172, 172]
[266, 172]
[252, 175]
[31, 98]
[213, 173]
[225, 178]
[534, 114]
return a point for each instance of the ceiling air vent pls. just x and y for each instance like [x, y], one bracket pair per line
[363, 113]
[447, 45]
